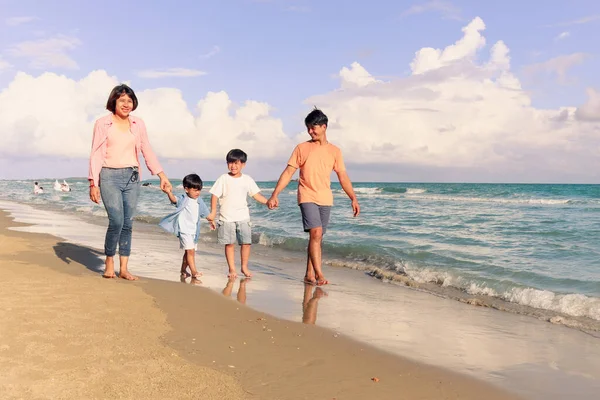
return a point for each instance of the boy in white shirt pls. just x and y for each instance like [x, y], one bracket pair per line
[231, 191]
[185, 222]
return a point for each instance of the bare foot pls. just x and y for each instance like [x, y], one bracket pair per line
[196, 275]
[185, 274]
[195, 280]
[109, 268]
[232, 275]
[246, 272]
[128, 277]
[310, 280]
[322, 281]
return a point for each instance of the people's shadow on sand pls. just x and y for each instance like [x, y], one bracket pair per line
[241, 293]
[73, 253]
[310, 303]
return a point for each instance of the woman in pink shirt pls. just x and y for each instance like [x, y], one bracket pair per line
[115, 173]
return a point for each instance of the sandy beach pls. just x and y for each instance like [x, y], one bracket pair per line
[68, 333]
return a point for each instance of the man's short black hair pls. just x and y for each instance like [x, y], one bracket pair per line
[118, 91]
[35, 183]
[316, 117]
[236, 154]
[192, 181]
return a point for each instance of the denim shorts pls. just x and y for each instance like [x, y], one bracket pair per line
[239, 232]
[315, 216]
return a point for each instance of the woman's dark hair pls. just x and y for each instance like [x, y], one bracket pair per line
[192, 181]
[117, 92]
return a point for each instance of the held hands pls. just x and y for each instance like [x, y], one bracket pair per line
[273, 202]
[165, 184]
[211, 220]
[95, 194]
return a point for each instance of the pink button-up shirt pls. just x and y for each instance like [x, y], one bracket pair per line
[98, 154]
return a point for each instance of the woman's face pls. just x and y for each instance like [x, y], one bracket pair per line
[124, 106]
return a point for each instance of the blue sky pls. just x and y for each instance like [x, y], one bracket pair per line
[284, 53]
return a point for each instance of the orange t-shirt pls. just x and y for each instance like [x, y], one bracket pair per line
[316, 163]
[120, 149]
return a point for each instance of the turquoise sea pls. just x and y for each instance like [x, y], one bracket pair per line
[530, 249]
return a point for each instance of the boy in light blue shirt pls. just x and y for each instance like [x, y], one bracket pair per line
[185, 222]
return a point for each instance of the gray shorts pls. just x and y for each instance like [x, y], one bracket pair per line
[315, 216]
[239, 232]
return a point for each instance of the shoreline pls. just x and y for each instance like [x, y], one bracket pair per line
[575, 309]
[281, 359]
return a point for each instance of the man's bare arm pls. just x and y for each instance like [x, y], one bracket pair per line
[347, 186]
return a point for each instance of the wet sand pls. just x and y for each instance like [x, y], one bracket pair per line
[68, 333]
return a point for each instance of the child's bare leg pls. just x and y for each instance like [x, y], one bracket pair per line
[313, 264]
[109, 269]
[230, 257]
[184, 265]
[245, 255]
[123, 273]
[190, 255]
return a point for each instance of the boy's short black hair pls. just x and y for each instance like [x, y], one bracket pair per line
[35, 183]
[118, 91]
[192, 181]
[316, 117]
[236, 154]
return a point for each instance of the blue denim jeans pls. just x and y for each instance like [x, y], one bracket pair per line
[120, 189]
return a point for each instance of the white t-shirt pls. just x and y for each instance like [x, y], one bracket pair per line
[188, 219]
[233, 193]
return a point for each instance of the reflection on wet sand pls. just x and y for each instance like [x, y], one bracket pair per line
[310, 303]
[241, 293]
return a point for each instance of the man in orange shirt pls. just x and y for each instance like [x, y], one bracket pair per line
[316, 159]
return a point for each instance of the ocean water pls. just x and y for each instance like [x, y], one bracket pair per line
[525, 249]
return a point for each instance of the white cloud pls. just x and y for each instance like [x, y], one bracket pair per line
[15, 21]
[580, 21]
[213, 52]
[170, 73]
[562, 35]
[461, 109]
[445, 8]
[47, 53]
[558, 66]
[356, 76]
[590, 111]
[40, 115]
[464, 49]
[455, 112]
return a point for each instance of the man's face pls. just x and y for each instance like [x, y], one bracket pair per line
[316, 132]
